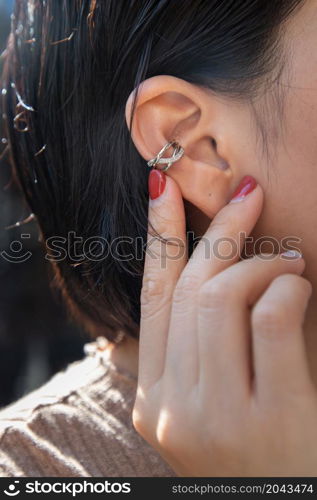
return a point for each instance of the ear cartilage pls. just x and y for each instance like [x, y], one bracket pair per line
[168, 162]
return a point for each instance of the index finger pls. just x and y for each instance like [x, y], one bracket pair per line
[164, 262]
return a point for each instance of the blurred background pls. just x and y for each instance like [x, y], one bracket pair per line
[36, 338]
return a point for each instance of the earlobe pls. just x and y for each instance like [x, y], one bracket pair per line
[168, 109]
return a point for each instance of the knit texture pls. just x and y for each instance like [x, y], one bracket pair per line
[78, 425]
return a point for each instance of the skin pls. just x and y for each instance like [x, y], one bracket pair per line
[234, 340]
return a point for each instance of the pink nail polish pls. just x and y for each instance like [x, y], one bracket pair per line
[245, 187]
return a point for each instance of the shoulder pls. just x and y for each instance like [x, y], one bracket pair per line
[77, 424]
[35, 431]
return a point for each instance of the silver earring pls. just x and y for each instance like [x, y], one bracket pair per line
[177, 154]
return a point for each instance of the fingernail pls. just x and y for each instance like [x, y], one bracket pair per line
[245, 187]
[157, 182]
[292, 254]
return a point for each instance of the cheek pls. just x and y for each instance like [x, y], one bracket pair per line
[301, 131]
[289, 179]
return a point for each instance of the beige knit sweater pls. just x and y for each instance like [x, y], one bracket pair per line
[78, 425]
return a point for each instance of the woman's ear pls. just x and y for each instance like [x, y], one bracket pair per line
[168, 108]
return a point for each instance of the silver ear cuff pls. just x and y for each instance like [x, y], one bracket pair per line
[168, 162]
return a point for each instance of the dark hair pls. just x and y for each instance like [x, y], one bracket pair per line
[68, 71]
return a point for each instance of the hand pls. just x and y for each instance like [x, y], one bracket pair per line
[224, 387]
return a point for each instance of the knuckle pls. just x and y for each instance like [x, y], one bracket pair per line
[154, 295]
[306, 287]
[214, 294]
[278, 311]
[305, 284]
[152, 287]
[287, 279]
[185, 287]
[268, 316]
[301, 285]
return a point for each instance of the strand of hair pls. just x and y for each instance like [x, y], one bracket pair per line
[67, 39]
[19, 223]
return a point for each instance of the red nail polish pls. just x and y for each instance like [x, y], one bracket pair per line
[245, 187]
[157, 181]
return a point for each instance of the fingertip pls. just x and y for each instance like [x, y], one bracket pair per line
[166, 207]
[296, 257]
[248, 205]
[156, 184]
[162, 188]
[291, 255]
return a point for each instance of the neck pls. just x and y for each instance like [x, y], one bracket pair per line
[125, 355]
